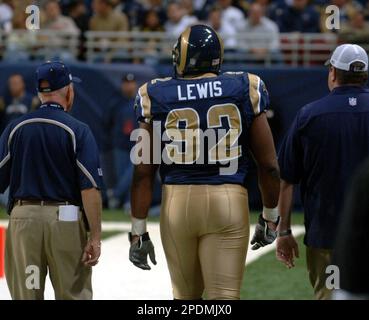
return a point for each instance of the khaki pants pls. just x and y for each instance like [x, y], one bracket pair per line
[205, 234]
[317, 262]
[38, 243]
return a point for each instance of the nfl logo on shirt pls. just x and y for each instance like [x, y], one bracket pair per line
[352, 102]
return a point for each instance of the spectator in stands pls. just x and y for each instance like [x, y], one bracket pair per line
[158, 6]
[227, 32]
[6, 15]
[19, 18]
[77, 10]
[202, 8]
[263, 3]
[264, 33]
[89, 6]
[178, 19]
[19, 5]
[232, 17]
[18, 43]
[244, 5]
[356, 30]
[298, 16]
[16, 102]
[188, 6]
[133, 10]
[119, 121]
[19, 13]
[61, 29]
[54, 20]
[347, 9]
[115, 3]
[152, 22]
[106, 19]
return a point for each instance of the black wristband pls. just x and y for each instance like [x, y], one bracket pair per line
[284, 233]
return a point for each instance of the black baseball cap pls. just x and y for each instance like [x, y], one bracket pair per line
[57, 74]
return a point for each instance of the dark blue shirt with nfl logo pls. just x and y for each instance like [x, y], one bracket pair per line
[328, 139]
[226, 104]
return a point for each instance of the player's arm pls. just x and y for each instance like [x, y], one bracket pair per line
[143, 179]
[263, 151]
[141, 197]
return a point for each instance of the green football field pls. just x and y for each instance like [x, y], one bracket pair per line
[268, 279]
[265, 278]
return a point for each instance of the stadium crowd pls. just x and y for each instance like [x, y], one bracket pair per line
[228, 17]
[172, 16]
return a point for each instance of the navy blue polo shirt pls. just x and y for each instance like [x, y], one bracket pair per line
[48, 155]
[328, 139]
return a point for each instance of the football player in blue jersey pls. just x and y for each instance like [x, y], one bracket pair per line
[205, 216]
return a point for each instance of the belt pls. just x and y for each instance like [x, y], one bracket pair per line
[41, 203]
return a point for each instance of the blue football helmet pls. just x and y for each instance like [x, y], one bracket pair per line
[198, 50]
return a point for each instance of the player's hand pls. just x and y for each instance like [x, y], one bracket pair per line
[91, 253]
[287, 250]
[265, 233]
[141, 247]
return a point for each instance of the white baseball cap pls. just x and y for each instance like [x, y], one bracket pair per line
[346, 54]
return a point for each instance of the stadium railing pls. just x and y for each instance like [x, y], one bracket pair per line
[260, 48]
[293, 49]
[38, 45]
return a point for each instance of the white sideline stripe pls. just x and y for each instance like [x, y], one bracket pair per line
[116, 278]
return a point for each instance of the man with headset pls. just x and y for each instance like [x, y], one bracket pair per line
[50, 162]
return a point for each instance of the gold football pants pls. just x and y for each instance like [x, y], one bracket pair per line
[205, 234]
[38, 243]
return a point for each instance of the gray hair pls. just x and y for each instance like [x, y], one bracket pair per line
[61, 93]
